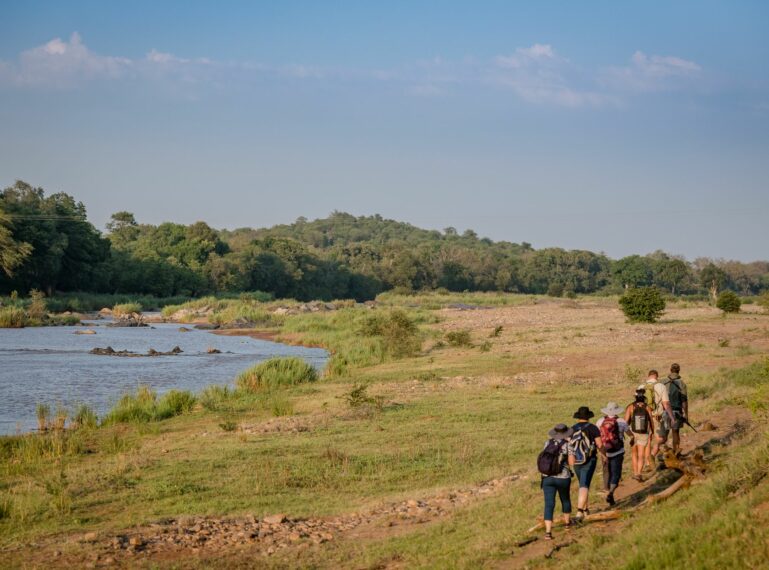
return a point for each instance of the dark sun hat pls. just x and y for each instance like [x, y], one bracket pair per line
[560, 431]
[583, 413]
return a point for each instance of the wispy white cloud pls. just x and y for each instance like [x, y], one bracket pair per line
[536, 74]
[61, 62]
[651, 73]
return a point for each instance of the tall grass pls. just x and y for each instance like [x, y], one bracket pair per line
[13, 318]
[144, 406]
[274, 373]
[125, 309]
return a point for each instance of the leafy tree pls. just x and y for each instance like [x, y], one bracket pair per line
[632, 271]
[728, 302]
[712, 278]
[642, 304]
[12, 252]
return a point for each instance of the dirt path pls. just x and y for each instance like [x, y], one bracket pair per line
[727, 424]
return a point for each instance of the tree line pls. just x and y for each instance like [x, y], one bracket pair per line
[47, 243]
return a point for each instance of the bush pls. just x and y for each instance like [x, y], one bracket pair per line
[642, 304]
[37, 310]
[728, 302]
[276, 372]
[399, 334]
[459, 338]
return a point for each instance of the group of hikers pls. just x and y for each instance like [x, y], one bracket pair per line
[660, 408]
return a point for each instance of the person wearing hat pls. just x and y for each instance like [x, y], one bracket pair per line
[639, 418]
[613, 431]
[584, 446]
[560, 481]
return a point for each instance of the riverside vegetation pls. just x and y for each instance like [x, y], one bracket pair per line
[423, 396]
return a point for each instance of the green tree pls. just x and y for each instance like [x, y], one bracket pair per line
[642, 304]
[712, 278]
[12, 252]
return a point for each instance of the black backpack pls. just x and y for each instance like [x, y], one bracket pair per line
[675, 393]
[549, 460]
[639, 421]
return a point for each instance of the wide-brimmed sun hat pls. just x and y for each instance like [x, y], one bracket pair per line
[612, 409]
[560, 431]
[584, 413]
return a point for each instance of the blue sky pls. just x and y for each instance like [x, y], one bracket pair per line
[616, 127]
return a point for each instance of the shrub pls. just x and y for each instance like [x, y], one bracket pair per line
[124, 309]
[642, 304]
[358, 397]
[485, 346]
[555, 290]
[276, 372]
[399, 334]
[496, 332]
[728, 302]
[37, 310]
[13, 318]
[459, 338]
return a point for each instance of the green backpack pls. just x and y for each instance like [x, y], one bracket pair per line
[675, 393]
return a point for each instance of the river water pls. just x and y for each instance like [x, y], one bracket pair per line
[52, 365]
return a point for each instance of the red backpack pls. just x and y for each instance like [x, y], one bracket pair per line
[610, 434]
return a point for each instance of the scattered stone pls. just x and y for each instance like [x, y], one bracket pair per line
[90, 537]
[212, 350]
[275, 519]
[86, 331]
[184, 329]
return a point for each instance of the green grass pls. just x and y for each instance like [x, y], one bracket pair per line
[275, 373]
[144, 406]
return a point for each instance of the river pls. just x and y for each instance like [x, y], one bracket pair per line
[52, 365]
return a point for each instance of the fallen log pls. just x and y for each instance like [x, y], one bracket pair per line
[682, 483]
[596, 517]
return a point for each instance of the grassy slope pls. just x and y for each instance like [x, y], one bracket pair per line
[435, 433]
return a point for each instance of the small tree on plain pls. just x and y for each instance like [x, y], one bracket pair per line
[728, 302]
[642, 304]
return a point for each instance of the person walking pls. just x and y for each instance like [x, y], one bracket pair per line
[553, 464]
[658, 400]
[613, 431]
[639, 418]
[679, 402]
[583, 448]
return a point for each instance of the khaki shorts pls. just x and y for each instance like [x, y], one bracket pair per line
[641, 438]
[664, 425]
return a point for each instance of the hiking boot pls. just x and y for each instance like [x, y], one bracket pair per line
[548, 536]
[610, 499]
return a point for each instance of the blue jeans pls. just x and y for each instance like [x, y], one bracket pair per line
[551, 486]
[585, 472]
[612, 471]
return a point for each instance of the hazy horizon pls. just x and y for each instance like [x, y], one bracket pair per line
[622, 129]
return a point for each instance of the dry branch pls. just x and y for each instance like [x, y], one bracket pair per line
[682, 483]
[597, 517]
